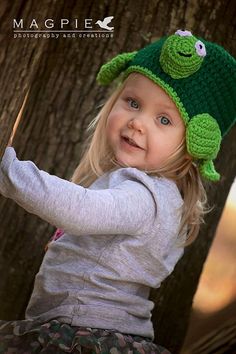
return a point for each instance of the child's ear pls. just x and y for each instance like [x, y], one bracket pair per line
[112, 69]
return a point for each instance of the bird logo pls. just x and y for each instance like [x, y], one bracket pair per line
[103, 24]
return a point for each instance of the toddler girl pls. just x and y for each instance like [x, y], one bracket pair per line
[133, 203]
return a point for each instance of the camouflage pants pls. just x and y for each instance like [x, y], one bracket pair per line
[57, 338]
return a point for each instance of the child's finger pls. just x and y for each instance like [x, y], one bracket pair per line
[17, 121]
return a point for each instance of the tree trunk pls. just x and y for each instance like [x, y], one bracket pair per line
[18, 61]
[63, 98]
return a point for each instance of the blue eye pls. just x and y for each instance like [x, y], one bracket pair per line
[165, 121]
[131, 101]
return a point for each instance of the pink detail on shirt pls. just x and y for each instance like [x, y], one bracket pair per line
[57, 235]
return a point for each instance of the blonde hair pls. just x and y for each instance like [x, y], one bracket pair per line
[97, 159]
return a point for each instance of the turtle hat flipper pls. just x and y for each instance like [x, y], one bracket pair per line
[203, 139]
[207, 170]
[111, 70]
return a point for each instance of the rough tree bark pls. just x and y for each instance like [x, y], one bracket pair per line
[63, 98]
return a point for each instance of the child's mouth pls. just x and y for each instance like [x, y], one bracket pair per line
[130, 142]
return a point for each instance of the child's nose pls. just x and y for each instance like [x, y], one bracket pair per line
[137, 124]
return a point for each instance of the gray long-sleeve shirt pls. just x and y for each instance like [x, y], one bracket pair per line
[120, 239]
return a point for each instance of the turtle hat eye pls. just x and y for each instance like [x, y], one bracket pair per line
[200, 49]
[183, 33]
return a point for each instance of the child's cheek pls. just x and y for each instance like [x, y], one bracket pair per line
[115, 119]
[112, 126]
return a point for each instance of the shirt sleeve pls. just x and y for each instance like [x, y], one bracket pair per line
[128, 208]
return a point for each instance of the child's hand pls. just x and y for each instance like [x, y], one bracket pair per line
[17, 121]
[10, 140]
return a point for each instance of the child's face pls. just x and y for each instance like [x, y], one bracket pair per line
[146, 114]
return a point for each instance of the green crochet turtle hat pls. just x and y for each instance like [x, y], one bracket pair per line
[199, 76]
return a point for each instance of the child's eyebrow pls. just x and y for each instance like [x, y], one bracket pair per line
[129, 91]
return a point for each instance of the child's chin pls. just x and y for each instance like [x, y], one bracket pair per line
[127, 163]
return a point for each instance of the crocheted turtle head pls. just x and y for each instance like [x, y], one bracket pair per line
[182, 54]
[199, 76]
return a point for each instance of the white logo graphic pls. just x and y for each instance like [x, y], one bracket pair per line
[51, 28]
[103, 24]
